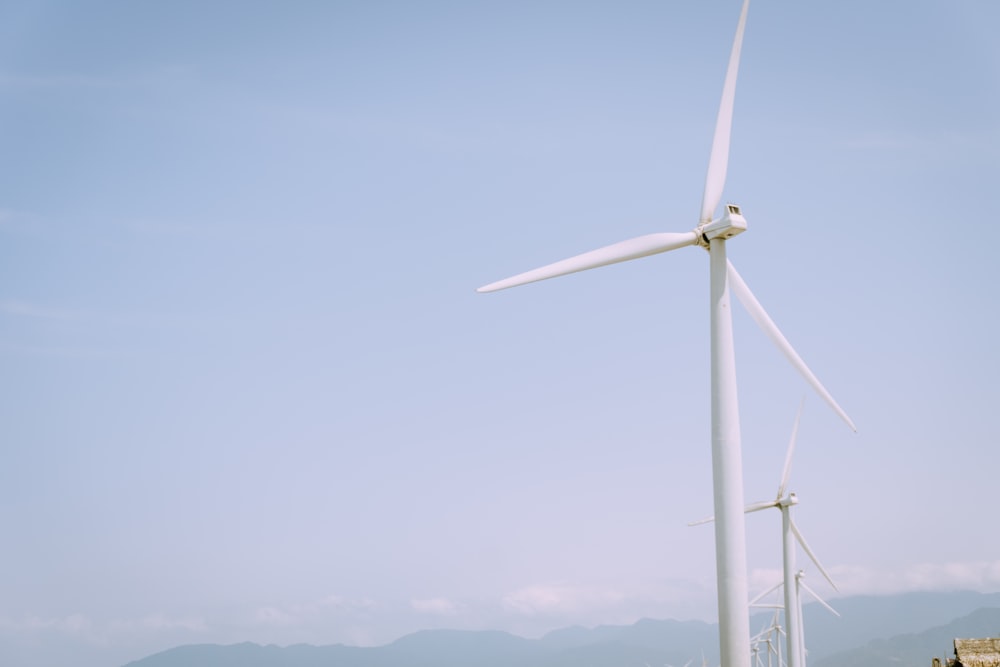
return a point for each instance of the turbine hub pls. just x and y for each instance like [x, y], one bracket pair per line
[729, 225]
[789, 500]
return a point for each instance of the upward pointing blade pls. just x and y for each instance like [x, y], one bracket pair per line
[791, 450]
[765, 322]
[641, 246]
[718, 161]
[765, 593]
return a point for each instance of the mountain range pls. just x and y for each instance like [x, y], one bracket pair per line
[904, 630]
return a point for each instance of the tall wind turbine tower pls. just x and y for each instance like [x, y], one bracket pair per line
[712, 234]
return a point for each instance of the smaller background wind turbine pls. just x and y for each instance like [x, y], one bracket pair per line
[769, 641]
[789, 535]
[801, 585]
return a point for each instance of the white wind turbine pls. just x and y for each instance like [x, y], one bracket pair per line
[790, 533]
[794, 614]
[792, 617]
[727, 474]
[799, 587]
[766, 639]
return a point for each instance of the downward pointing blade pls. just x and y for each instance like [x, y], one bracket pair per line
[718, 162]
[791, 449]
[642, 246]
[809, 552]
[818, 598]
[765, 322]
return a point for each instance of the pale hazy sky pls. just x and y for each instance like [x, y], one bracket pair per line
[249, 392]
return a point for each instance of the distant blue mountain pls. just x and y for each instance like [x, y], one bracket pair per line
[918, 649]
[857, 639]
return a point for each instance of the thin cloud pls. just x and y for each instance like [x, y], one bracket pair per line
[972, 575]
[305, 612]
[559, 599]
[274, 616]
[101, 633]
[860, 580]
[440, 606]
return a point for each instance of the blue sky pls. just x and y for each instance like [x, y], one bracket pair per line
[250, 393]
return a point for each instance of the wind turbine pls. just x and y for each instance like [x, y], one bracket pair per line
[769, 631]
[727, 467]
[799, 587]
[789, 535]
[793, 618]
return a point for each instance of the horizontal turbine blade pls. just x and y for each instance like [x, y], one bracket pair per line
[809, 552]
[707, 519]
[642, 246]
[756, 507]
[765, 322]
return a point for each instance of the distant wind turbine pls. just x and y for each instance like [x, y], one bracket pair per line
[711, 233]
[800, 585]
[790, 533]
[767, 637]
[768, 634]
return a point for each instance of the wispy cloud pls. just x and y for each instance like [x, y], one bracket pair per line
[861, 580]
[956, 575]
[560, 599]
[156, 622]
[441, 606]
[274, 616]
[85, 629]
[302, 612]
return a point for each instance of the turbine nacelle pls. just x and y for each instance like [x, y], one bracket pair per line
[729, 225]
[788, 501]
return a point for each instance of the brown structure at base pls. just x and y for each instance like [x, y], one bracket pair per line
[974, 653]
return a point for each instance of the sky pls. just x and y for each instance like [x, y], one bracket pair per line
[249, 392]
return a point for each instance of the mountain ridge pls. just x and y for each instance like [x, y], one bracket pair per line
[871, 629]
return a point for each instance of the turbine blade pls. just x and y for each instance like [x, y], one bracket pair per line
[707, 519]
[766, 593]
[787, 470]
[765, 322]
[642, 246]
[809, 552]
[718, 161]
[818, 598]
[763, 505]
